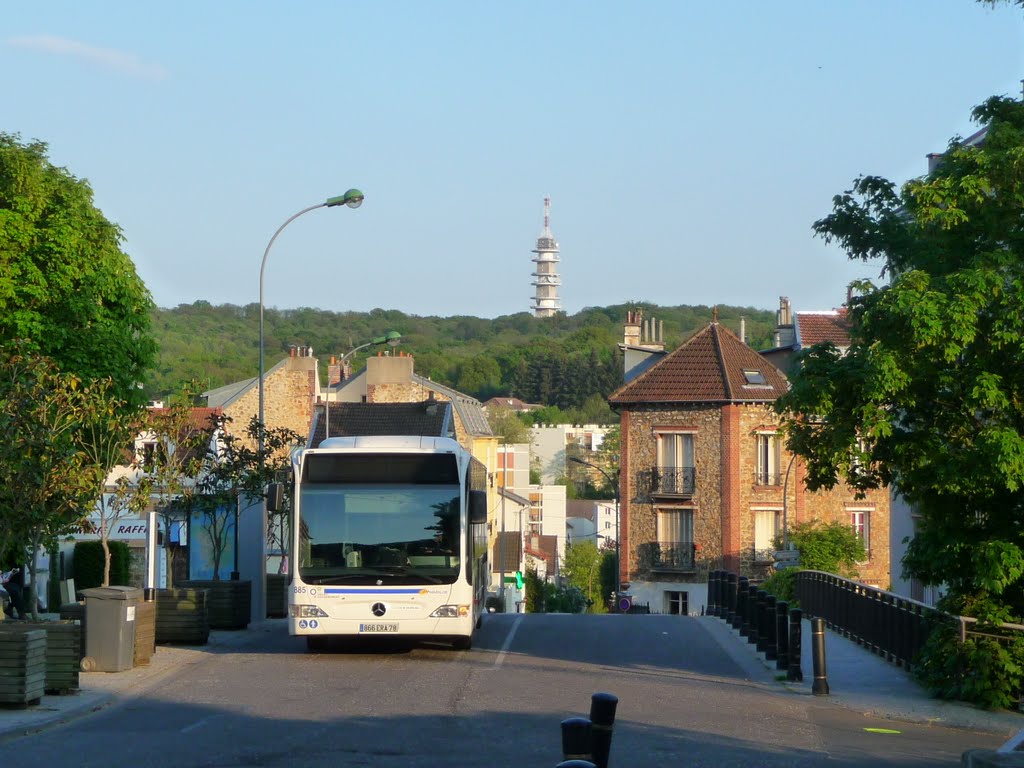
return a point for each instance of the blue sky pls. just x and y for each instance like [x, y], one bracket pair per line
[687, 147]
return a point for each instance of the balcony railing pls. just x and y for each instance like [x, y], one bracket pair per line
[674, 481]
[764, 477]
[666, 556]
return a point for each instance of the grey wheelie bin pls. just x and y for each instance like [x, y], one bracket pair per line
[110, 628]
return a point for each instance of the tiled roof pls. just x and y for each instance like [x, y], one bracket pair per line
[816, 327]
[432, 418]
[709, 367]
[470, 411]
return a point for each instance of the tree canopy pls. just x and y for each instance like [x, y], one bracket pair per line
[67, 290]
[930, 395]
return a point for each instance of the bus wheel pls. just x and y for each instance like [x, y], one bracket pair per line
[462, 643]
[316, 642]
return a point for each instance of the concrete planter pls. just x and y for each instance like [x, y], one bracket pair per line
[229, 602]
[181, 616]
[22, 666]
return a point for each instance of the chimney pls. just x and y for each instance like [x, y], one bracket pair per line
[333, 372]
[631, 332]
[743, 329]
[849, 294]
[785, 314]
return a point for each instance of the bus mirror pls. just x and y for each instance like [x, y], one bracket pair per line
[477, 507]
[275, 497]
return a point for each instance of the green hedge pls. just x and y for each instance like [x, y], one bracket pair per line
[89, 564]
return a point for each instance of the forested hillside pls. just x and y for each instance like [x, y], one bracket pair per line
[562, 361]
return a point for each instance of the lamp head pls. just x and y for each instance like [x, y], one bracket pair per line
[353, 199]
[393, 338]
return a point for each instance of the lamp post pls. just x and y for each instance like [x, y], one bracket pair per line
[353, 199]
[618, 533]
[785, 498]
[391, 338]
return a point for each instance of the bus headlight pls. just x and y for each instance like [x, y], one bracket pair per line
[450, 612]
[306, 612]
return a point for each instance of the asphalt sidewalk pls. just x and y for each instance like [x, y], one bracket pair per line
[100, 689]
[861, 681]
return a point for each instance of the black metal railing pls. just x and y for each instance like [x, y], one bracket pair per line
[763, 477]
[666, 556]
[674, 481]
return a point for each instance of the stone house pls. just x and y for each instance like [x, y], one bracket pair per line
[705, 479]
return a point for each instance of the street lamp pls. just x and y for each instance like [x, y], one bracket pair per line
[618, 532]
[391, 338]
[353, 199]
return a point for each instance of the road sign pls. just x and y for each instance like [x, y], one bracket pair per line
[787, 558]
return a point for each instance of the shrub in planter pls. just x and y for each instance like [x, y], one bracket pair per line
[88, 564]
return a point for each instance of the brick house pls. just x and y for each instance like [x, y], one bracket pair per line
[706, 481]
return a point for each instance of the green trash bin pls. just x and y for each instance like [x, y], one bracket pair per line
[110, 628]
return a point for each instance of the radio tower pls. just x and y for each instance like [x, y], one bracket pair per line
[546, 279]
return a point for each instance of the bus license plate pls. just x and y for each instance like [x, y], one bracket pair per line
[378, 628]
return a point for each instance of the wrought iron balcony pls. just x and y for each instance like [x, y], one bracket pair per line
[673, 481]
[666, 556]
[764, 477]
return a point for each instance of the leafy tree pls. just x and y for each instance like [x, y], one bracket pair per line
[67, 290]
[930, 396]
[582, 569]
[182, 438]
[832, 547]
[47, 481]
[106, 437]
[507, 425]
[240, 467]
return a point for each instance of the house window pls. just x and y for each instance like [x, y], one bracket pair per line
[768, 458]
[860, 519]
[675, 537]
[677, 603]
[767, 524]
[675, 473]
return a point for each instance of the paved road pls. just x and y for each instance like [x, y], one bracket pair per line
[685, 700]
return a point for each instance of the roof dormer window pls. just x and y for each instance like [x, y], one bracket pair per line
[754, 376]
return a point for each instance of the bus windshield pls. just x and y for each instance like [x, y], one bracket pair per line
[361, 533]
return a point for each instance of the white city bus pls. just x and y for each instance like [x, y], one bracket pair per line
[388, 539]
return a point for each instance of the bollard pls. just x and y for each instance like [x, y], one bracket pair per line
[713, 593]
[742, 594]
[602, 720]
[752, 614]
[782, 635]
[576, 739]
[762, 630]
[730, 594]
[771, 644]
[820, 685]
[795, 672]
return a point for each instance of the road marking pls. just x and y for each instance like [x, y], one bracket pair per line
[199, 723]
[508, 641]
[881, 730]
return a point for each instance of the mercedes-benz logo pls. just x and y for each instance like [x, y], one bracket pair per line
[379, 609]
